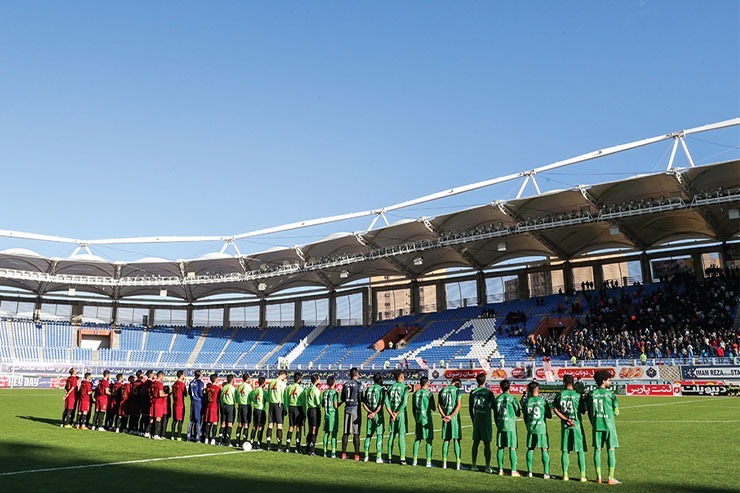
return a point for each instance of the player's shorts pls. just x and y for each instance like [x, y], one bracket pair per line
[352, 420]
[211, 415]
[452, 430]
[505, 439]
[195, 411]
[538, 440]
[573, 439]
[605, 439]
[101, 404]
[228, 412]
[84, 405]
[482, 428]
[296, 416]
[275, 413]
[160, 410]
[314, 417]
[244, 415]
[425, 431]
[70, 403]
[331, 424]
[259, 416]
[178, 410]
[375, 425]
[398, 426]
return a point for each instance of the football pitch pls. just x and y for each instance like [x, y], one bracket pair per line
[667, 445]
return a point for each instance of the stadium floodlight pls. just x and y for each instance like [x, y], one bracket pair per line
[502, 246]
[614, 230]
[191, 275]
[419, 260]
[734, 214]
[72, 291]
[344, 274]
[262, 286]
[163, 293]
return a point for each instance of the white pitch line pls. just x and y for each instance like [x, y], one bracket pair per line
[680, 421]
[122, 463]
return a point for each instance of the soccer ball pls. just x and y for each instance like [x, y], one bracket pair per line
[246, 446]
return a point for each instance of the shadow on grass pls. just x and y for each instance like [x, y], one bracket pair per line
[37, 419]
[62, 469]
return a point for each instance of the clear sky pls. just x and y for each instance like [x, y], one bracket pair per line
[194, 118]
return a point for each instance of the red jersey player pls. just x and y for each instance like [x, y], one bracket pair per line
[158, 405]
[85, 396]
[211, 395]
[102, 393]
[124, 405]
[114, 402]
[70, 399]
[179, 390]
[137, 387]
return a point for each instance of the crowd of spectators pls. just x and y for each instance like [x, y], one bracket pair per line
[679, 317]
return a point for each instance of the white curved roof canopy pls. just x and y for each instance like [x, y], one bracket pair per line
[655, 209]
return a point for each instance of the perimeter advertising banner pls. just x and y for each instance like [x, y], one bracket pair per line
[699, 372]
[660, 390]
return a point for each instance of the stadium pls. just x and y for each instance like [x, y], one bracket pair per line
[538, 287]
[343, 246]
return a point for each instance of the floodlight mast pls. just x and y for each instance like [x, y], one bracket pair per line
[381, 212]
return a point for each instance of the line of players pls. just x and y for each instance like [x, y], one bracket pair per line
[143, 405]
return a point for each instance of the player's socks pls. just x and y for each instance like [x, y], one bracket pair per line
[402, 447]
[325, 442]
[391, 439]
[280, 438]
[367, 446]
[356, 444]
[611, 461]
[564, 463]
[379, 444]
[487, 453]
[298, 441]
[429, 453]
[333, 446]
[458, 451]
[500, 459]
[513, 458]
[597, 462]
[582, 463]
[416, 450]
[530, 456]
[546, 461]
[445, 450]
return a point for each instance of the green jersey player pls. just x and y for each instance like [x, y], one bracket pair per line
[602, 406]
[256, 401]
[568, 406]
[372, 402]
[395, 404]
[505, 411]
[312, 404]
[536, 410]
[330, 403]
[480, 405]
[422, 404]
[294, 397]
[448, 406]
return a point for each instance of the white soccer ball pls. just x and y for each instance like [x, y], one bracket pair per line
[246, 446]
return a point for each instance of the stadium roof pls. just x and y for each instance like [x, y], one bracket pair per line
[634, 214]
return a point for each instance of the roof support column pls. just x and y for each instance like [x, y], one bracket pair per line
[523, 285]
[568, 276]
[414, 292]
[647, 274]
[151, 316]
[298, 314]
[367, 308]
[263, 313]
[480, 288]
[227, 318]
[332, 308]
[598, 273]
[441, 291]
[114, 313]
[37, 309]
[373, 293]
[189, 315]
[698, 266]
[725, 255]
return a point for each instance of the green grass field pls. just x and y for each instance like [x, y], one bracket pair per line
[667, 444]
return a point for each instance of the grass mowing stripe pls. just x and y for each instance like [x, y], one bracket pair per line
[120, 463]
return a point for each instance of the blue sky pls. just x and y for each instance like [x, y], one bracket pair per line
[199, 118]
